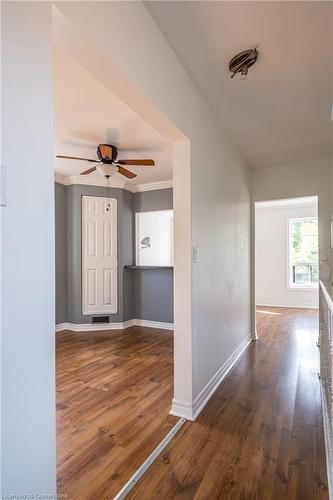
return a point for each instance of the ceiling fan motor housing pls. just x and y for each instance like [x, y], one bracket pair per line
[107, 153]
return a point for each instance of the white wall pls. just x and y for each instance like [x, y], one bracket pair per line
[306, 178]
[216, 187]
[272, 246]
[27, 239]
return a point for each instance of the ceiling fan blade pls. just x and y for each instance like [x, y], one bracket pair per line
[77, 158]
[126, 173]
[88, 171]
[140, 163]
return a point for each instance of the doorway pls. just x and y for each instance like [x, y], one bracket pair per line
[286, 255]
[115, 320]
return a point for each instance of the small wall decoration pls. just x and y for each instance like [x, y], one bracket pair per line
[154, 238]
[145, 242]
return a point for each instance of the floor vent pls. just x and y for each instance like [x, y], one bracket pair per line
[100, 319]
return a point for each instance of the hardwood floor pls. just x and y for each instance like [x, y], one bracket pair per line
[260, 436]
[114, 392]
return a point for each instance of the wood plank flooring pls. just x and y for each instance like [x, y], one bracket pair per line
[114, 392]
[260, 436]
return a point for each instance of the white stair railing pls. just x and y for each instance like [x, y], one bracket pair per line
[326, 369]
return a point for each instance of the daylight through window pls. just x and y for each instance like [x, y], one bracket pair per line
[303, 248]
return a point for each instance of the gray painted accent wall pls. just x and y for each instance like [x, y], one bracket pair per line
[153, 289]
[142, 294]
[61, 252]
[74, 236]
[161, 199]
[153, 294]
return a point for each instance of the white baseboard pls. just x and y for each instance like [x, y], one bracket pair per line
[204, 396]
[291, 305]
[255, 336]
[94, 327]
[153, 324]
[192, 411]
[181, 409]
[328, 437]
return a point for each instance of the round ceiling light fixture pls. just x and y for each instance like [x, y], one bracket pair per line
[107, 170]
[241, 62]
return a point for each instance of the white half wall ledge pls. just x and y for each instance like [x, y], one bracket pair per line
[95, 327]
[192, 411]
[93, 181]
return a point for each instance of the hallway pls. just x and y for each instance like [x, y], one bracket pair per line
[261, 435]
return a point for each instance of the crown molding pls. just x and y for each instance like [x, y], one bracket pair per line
[153, 186]
[60, 179]
[93, 181]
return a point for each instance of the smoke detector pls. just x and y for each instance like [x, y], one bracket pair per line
[241, 62]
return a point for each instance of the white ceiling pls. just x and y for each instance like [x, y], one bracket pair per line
[86, 114]
[281, 114]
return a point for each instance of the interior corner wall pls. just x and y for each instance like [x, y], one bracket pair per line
[299, 179]
[60, 205]
[28, 452]
[74, 254]
[152, 288]
[126, 275]
[144, 294]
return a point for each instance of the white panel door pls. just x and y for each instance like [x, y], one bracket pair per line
[99, 255]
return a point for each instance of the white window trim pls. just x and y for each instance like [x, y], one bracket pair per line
[290, 285]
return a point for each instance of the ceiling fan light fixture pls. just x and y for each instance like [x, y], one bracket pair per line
[242, 61]
[109, 165]
[107, 170]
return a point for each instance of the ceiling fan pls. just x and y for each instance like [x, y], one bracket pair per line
[108, 163]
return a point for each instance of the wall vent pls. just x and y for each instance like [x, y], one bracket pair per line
[100, 319]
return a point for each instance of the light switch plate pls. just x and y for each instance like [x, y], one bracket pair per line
[3, 185]
[195, 255]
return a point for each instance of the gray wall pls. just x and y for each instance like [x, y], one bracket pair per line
[153, 294]
[145, 201]
[142, 294]
[153, 289]
[61, 252]
[74, 236]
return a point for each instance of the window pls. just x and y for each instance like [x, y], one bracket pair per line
[154, 238]
[303, 253]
